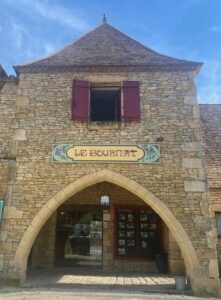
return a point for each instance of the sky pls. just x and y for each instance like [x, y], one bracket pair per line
[185, 29]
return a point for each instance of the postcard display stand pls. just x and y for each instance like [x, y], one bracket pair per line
[136, 233]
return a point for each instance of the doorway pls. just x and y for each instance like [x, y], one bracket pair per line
[79, 237]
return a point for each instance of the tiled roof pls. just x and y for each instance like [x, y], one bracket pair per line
[107, 46]
[211, 124]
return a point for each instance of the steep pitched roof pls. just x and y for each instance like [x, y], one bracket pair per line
[107, 46]
[211, 125]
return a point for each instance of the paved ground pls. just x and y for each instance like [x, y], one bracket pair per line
[99, 280]
[61, 294]
[82, 284]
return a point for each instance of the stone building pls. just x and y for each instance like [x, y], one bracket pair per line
[102, 163]
[211, 126]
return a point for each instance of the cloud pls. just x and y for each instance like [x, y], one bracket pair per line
[216, 28]
[17, 32]
[28, 41]
[209, 88]
[50, 11]
[27, 45]
[48, 48]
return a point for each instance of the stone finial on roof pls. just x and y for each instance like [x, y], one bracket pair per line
[104, 19]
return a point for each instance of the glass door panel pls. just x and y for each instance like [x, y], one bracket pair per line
[79, 234]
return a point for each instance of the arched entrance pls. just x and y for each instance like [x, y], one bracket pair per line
[190, 257]
[126, 235]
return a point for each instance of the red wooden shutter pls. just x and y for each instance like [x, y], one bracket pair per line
[131, 101]
[80, 100]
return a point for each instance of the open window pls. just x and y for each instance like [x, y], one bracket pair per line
[106, 103]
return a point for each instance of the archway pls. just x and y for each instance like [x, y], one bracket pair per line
[190, 257]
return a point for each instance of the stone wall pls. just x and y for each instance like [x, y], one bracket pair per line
[42, 253]
[169, 116]
[215, 200]
[175, 259]
[8, 124]
[8, 118]
[211, 126]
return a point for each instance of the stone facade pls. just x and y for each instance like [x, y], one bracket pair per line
[36, 114]
[211, 125]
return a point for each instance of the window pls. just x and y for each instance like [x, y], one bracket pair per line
[218, 223]
[107, 103]
[136, 233]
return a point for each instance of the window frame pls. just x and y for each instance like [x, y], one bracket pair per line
[129, 110]
[138, 255]
[106, 85]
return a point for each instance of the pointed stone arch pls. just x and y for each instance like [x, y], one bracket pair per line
[190, 257]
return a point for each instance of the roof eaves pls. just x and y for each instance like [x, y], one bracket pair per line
[190, 66]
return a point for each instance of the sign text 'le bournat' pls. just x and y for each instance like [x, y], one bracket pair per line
[141, 153]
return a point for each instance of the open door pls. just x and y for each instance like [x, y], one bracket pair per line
[79, 238]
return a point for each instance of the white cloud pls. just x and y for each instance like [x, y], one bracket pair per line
[50, 11]
[49, 48]
[27, 46]
[209, 88]
[216, 28]
[17, 32]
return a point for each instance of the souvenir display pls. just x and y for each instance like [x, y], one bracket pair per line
[148, 233]
[126, 225]
[137, 232]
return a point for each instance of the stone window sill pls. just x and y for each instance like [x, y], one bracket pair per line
[106, 125]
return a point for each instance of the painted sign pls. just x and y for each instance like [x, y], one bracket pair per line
[141, 153]
[1, 209]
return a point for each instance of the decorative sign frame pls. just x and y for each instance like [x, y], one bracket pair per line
[1, 209]
[71, 153]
